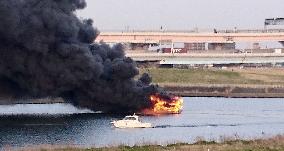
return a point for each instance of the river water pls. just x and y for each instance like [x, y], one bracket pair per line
[208, 118]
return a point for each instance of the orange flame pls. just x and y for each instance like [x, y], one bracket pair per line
[162, 105]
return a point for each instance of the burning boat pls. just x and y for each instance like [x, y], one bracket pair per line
[42, 57]
[164, 104]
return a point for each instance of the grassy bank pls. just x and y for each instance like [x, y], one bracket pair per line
[271, 144]
[216, 76]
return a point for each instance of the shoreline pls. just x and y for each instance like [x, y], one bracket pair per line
[229, 83]
[227, 91]
[226, 143]
[184, 90]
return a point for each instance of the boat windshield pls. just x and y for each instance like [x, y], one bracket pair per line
[129, 118]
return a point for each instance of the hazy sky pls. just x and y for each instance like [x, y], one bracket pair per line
[181, 14]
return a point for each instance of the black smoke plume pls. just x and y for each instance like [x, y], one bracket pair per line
[45, 51]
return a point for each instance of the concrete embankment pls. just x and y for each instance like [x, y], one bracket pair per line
[11, 101]
[233, 91]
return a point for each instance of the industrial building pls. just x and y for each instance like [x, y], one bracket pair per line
[216, 39]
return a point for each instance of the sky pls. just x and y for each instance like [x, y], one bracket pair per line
[181, 14]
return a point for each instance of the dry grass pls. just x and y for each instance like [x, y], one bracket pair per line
[217, 76]
[228, 144]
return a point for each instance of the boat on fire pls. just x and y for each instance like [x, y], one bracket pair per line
[131, 121]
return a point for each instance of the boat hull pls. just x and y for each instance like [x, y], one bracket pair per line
[123, 124]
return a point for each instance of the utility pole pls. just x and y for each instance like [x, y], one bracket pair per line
[160, 43]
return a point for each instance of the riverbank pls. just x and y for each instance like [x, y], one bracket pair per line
[231, 82]
[233, 144]
[247, 83]
[230, 91]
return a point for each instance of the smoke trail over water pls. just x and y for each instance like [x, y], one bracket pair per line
[45, 51]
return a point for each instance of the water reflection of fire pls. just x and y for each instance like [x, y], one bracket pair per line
[165, 105]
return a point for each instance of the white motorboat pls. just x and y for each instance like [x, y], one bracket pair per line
[132, 121]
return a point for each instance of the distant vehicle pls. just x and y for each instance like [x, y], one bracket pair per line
[169, 48]
[131, 121]
[274, 21]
